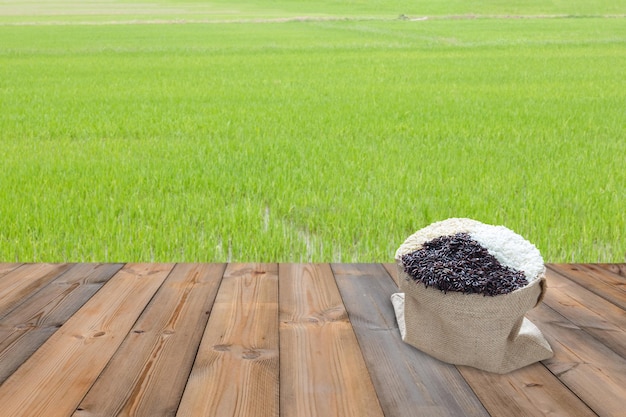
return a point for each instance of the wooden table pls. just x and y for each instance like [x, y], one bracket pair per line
[283, 340]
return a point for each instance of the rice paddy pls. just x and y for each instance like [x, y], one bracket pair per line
[298, 131]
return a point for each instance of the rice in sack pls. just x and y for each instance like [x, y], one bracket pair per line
[467, 286]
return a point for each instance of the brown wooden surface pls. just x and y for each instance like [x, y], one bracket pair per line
[62, 370]
[5, 268]
[20, 283]
[283, 340]
[617, 269]
[24, 330]
[148, 373]
[605, 284]
[236, 368]
[322, 370]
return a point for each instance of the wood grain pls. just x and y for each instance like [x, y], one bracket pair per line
[595, 373]
[592, 313]
[613, 277]
[6, 267]
[322, 370]
[18, 284]
[148, 373]
[236, 369]
[57, 376]
[392, 270]
[288, 340]
[591, 279]
[408, 381]
[28, 326]
[617, 269]
[531, 391]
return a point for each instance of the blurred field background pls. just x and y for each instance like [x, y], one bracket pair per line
[308, 130]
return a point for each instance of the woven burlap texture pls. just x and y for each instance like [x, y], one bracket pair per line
[488, 333]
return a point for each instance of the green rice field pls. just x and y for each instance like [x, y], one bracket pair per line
[302, 130]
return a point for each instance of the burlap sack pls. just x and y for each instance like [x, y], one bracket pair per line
[488, 333]
[485, 332]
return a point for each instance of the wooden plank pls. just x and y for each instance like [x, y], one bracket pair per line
[612, 274]
[617, 269]
[592, 313]
[605, 275]
[593, 280]
[322, 370]
[595, 373]
[53, 381]
[408, 381]
[392, 270]
[28, 326]
[531, 391]
[22, 282]
[6, 267]
[236, 369]
[148, 373]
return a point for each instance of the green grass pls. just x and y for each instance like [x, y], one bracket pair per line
[201, 10]
[323, 140]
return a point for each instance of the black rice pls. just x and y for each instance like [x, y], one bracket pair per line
[459, 263]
